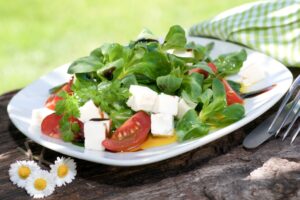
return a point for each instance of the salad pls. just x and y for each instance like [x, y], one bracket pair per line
[121, 98]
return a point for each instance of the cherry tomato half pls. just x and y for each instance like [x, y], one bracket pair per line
[130, 135]
[54, 98]
[50, 126]
[205, 73]
[231, 96]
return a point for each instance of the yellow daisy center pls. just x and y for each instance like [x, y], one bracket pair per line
[62, 171]
[24, 172]
[40, 184]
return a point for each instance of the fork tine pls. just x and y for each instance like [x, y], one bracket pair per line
[293, 106]
[272, 127]
[295, 117]
[295, 134]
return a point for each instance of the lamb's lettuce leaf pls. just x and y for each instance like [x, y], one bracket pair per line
[218, 103]
[175, 39]
[190, 127]
[215, 112]
[200, 52]
[192, 87]
[169, 84]
[85, 65]
[152, 65]
[230, 63]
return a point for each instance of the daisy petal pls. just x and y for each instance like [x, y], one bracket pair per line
[40, 184]
[20, 171]
[64, 171]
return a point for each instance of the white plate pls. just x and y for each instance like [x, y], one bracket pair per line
[34, 96]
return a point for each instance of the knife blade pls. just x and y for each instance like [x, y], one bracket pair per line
[260, 134]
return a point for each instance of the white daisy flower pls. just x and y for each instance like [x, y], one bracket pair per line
[20, 171]
[64, 171]
[40, 184]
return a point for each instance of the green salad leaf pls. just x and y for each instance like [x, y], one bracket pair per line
[152, 65]
[129, 80]
[68, 108]
[203, 66]
[230, 63]
[146, 34]
[85, 65]
[190, 127]
[169, 84]
[215, 111]
[192, 87]
[175, 39]
[200, 52]
[210, 109]
[120, 115]
[112, 52]
[235, 86]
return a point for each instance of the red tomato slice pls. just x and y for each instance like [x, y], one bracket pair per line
[53, 98]
[51, 101]
[50, 126]
[205, 73]
[213, 67]
[67, 86]
[231, 96]
[130, 135]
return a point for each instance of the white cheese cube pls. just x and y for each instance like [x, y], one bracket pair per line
[37, 115]
[89, 111]
[162, 124]
[95, 133]
[166, 104]
[181, 53]
[252, 74]
[143, 98]
[183, 107]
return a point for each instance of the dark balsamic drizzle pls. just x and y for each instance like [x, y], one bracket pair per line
[99, 119]
[256, 92]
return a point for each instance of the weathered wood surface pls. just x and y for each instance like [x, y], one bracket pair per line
[220, 170]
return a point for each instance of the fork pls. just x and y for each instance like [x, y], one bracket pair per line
[282, 117]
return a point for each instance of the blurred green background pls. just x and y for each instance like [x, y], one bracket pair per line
[37, 36]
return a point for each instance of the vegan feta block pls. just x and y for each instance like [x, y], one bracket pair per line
[166, 104]
[95, 133]
[89, 111]
[183, 107]
[252, 74]
[39, 114]
[143, 98]
[162, 124]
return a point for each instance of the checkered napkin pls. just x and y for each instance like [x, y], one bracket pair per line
[270, 26]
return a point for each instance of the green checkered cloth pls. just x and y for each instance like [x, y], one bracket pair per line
[270, 26]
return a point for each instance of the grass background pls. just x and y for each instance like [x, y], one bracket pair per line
[37, 36]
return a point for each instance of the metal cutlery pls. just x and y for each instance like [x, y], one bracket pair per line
[287, 114]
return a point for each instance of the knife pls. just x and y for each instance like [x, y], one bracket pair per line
[260, 134]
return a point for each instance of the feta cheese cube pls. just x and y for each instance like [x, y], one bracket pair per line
[143, 98]
[89, 111]
[181, 53]
[95, 133]
[252, 74]
[37, 115]
[162, 124]
[183, 107]
[166, 104]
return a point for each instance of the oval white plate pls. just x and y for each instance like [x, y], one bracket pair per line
[34, 96]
